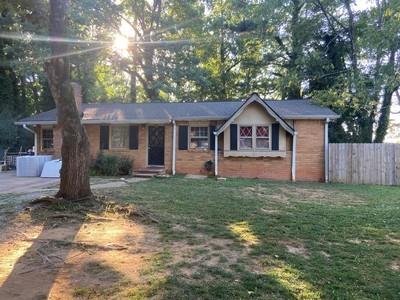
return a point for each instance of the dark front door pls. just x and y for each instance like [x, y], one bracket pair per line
[156, 145]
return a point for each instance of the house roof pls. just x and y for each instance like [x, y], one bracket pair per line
[255, 98]
[157, 112]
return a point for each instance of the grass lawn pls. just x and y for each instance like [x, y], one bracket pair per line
[253, 239]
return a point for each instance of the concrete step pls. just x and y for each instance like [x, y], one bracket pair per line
[150, 171]
[144, 175]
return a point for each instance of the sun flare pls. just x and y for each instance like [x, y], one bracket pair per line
[120, 45]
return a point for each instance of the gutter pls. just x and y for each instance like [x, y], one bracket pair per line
[173, 147]
[34, 138]
[326, 151]
[294, 155]
[216, 153]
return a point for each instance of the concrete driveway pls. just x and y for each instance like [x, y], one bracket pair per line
[10, 183]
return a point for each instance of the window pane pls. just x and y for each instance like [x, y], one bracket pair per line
[199, 132]
[47, 138]
[47, 144]
[199, 137]
[199, 143]
[246, 131]
[262, 131]
[119, 137]
[245, 143]
[47, 133]
[262, 143]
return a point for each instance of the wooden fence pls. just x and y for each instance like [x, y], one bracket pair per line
[365, 163]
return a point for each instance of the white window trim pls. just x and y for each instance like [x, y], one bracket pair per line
[254, 138]
[41, 133]
[190, 137]
[110, 138]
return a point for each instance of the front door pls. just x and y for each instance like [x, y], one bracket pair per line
[156, 145]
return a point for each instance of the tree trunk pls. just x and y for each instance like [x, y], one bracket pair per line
[389, 89]
[294, 85]
[383, 122]
[148, 68]
[133, 93]
[353, 48]
[135, 59]
[74, 182]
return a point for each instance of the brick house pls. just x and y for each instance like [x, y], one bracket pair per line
[285, 140]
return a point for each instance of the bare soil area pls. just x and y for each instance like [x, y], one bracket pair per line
[97, 250]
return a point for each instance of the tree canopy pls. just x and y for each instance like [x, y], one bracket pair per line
[337, 53]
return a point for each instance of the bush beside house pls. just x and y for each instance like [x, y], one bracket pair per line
[111, 165]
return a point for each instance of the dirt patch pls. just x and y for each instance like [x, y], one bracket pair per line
[271, 211]
[264, 193]
[358, 241]
[320, 196]
[48, 253]
[189, 260]
[395, 266]
[296, 247]
[291, 193]
[393, 240]
[325, 254]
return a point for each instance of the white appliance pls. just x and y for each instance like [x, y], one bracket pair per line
[52, 169]
[31, 165]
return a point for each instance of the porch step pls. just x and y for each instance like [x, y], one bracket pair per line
[150, 171]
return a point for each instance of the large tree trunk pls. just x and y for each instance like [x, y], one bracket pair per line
[294, 87]
[74, 183]
[383, 122]
[389, 89]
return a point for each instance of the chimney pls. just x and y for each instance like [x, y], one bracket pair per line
[77, 91]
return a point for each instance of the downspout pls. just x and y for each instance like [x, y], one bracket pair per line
[216, 153]
[294, 156]
[34, 137]
[326, 152]
[173, 147]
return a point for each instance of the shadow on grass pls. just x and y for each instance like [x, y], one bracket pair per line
[299, 235]
[48, 234]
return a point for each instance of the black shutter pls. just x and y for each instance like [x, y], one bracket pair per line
[133, 137]
[104, 137]
[275, 136]
[183, 138]
[234, 134]
[212, 138]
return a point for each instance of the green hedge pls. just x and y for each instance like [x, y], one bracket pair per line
[111, 165]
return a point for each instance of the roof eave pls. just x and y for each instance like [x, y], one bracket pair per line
[311, 117]
[255, 98]
[35, 122]
[142, 121]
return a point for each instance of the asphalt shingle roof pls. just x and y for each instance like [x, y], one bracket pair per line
[164, 112]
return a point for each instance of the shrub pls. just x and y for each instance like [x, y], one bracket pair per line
[124, 166]
[209, 165]
[111, 165]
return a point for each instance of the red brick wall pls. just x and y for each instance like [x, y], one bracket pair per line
[310, 150]
[310, 155]
[192, 161]
[56, 151]
[310, 158]
[278, 168]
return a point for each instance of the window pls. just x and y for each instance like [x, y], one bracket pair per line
[254, 137]
[47, 138]
[262, 137]
[198, 137]
[246, 137]
[119, 137]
